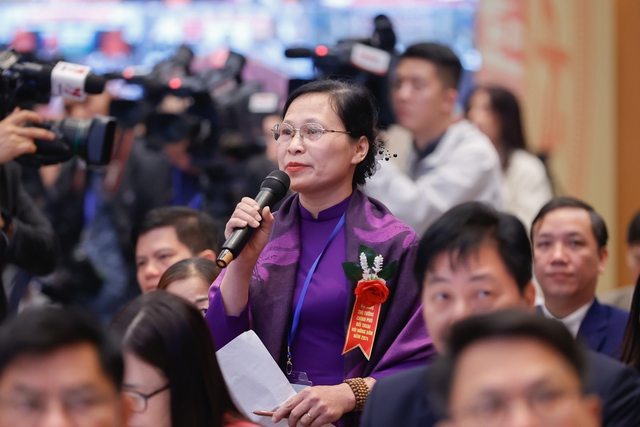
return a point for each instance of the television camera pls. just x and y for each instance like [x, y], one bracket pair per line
[217, 113]
[366, 61]
[23, 84]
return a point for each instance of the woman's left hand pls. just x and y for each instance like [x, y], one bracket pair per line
[317, 406]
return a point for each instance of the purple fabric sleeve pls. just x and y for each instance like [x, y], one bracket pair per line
[223, 327]
[407, 351]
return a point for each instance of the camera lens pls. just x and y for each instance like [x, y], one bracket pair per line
[90, 139]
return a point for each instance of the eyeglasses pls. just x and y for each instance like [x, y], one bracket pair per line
[28, 407]
[312, 132]
[547, 403]
[140, 400]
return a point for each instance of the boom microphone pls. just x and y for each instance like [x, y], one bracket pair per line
[273, 189]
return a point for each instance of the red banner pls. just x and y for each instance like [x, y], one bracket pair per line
[362, 328]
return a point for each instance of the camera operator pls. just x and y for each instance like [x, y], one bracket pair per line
[27, 239]
[16, 139]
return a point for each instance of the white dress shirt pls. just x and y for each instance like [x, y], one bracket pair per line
[572, 321]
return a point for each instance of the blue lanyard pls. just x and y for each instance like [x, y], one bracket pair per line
[296, 314]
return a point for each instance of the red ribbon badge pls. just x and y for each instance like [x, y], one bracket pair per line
[370, 294]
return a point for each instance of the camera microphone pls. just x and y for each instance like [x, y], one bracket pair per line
[273, 189]
[65, 79]
[299, 52]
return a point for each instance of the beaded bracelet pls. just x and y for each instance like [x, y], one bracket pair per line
[360, 390]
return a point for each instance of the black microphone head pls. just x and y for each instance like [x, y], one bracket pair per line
[299, 52]
[278, 182]
[94, 83]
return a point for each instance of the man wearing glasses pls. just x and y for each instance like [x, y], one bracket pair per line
[59, 367]
[511, 368]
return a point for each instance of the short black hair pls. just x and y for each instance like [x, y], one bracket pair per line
[357, 108]
[503, 324]
[598, 225]
[631, 340]
[463, 229]
[195, 229]
[446, 61]
[43, 330]
[633, 231]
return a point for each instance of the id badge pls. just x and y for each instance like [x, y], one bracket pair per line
[299, 380]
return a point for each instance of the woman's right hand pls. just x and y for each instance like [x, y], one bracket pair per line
[247, 214]
[234, 287]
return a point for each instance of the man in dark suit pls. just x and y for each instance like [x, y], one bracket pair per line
[26, 237]
[475, 260]
[569, 249]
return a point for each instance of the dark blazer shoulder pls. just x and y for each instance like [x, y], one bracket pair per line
[603, 327]
[618, 386]
[400, 399]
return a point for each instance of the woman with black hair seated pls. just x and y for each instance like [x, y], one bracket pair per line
[631, 340]
[190, 279]
[171, 371]
[526, 185]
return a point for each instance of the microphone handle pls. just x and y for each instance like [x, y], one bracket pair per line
[239, 237]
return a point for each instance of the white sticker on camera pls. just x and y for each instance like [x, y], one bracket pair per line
[68, 79]
[370, 59]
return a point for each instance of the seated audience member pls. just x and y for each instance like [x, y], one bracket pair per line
[570, 252]
[621, 297]
[190, 279]
[525, 183]
[327, 144]
[511, 368]
[631, 341]
[476, 260]
[171, 371]
[59, 367]
[451, 161]
[170, 234]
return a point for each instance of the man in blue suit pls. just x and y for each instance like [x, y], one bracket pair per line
[569, 250]
[475, 260]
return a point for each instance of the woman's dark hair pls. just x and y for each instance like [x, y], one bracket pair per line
[633, 231]
[357, 108]
[505, 105]
[631, 341]
[204, 268]
[169, 333]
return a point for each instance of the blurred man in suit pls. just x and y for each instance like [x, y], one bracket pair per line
[570, 252]
[511, 368]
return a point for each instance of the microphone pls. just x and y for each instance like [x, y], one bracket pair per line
[298, 52]
[273, 189]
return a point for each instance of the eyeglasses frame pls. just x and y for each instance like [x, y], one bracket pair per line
[297, 130]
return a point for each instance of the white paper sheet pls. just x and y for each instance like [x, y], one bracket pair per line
[254, 379]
